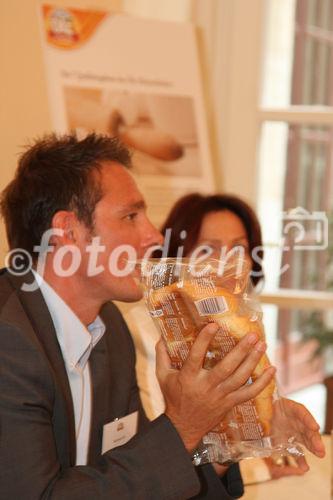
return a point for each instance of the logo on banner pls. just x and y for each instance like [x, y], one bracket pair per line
[69, 28]
[62, 26]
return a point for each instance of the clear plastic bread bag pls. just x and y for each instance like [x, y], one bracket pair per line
[182, 296]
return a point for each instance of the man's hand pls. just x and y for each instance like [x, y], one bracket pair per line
[304, 427]
[198, 399]
[286, 468]
[301, 424]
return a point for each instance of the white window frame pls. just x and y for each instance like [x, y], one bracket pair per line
[241, 118]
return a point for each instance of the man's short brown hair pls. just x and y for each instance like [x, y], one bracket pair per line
[57, 172]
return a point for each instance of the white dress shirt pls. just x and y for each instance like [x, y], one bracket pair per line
[76, 342]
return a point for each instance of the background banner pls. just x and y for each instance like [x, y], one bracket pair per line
[139, 80]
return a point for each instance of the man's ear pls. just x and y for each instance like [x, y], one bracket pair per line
[66, 222]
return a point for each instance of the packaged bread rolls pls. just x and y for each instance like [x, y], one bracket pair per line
[182, 297]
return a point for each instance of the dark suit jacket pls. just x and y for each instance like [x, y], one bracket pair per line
[37, 431]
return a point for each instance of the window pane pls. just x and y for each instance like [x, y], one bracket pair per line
[312, 83]
[318, 13]
[298, 59]
[296, 172]
[278, 55]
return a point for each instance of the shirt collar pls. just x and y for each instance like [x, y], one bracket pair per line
[75, 339]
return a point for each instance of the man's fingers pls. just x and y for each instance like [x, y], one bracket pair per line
[307, 419]
[286, 470]
[309, 430]
[306, 426]
[301, 415]
[250, 391]
[199, 348]
[318, 447]
[313, 442]
[245, 369]
[227, 366]
[302, 464]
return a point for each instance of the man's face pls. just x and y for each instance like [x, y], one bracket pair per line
[119, 219]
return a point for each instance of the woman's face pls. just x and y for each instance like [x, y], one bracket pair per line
[223, 230]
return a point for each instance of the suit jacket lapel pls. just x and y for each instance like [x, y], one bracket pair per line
[39, 316]
[100, 380]
[107, 366]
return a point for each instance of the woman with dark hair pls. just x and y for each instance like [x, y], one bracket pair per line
[218, 223]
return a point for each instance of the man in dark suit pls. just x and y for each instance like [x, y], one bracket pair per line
[67, 362]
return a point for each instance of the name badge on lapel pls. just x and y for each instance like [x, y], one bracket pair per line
[119, 431]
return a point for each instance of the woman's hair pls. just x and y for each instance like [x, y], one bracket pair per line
[188, 214]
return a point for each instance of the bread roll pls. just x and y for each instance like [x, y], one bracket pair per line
[181, 310]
